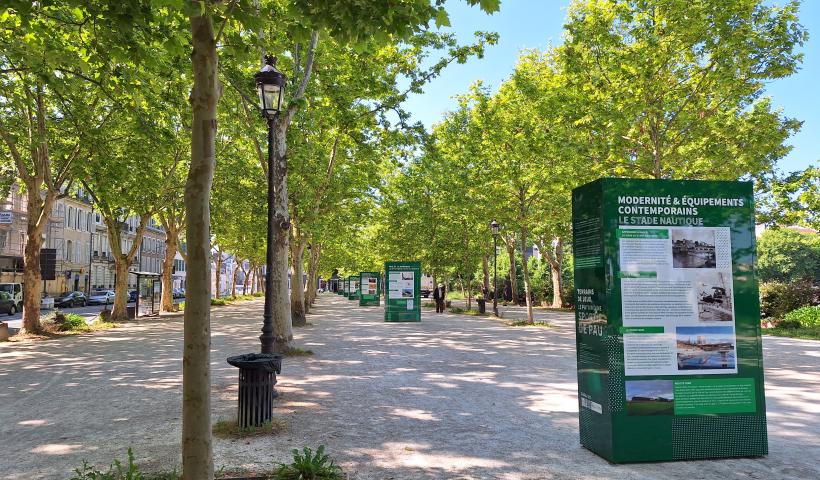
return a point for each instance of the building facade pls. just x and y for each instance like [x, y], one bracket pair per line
[79, 237]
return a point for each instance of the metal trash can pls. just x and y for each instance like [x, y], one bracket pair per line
[482, 305]
[257, 376]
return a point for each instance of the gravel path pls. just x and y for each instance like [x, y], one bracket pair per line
[452, 397]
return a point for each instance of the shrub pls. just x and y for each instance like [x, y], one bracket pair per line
[218, 302]
[309, 466]
[777, 298]
[803, 317]
[257, 294]
[785, 255]
[73, 323]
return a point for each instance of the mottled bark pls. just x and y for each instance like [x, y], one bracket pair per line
[197, 448]
[167, 303]
[510, 243]
[555, 273]
[39, 210]
[485, 269]
[526, 272]
[297, 292]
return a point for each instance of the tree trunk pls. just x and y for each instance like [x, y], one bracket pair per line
[277, 277]
[469, 293]
[526, 271]
[39, 211]
[513, 270]
[233, 282]
[485, 268]
[555, 271]
[313, 276]
[167, 304]
[197, 448]
[247, 275]
[297, 292]
[218, 272]
[118, 311]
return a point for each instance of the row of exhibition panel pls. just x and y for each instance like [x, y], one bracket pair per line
[402, 295]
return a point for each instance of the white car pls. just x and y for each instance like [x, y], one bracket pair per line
[101, 297]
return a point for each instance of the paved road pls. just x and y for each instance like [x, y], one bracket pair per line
[452, 397]
[90, 312]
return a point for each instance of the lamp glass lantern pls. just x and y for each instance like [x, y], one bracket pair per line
[270, 84]
[494, 227]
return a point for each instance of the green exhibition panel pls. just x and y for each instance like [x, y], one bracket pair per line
[667, 320]
[403, 299]
[369, 289]
[340, 286]
[353, 287]
[345, 287]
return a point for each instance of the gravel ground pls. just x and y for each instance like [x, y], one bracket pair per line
[452, 397]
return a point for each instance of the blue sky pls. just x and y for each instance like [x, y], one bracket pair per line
[524, 24]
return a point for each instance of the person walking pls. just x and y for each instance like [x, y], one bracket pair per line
[439, 294]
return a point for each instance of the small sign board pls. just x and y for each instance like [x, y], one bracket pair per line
[353, 292]
[403, 292]
[370, 288]
[6, 217]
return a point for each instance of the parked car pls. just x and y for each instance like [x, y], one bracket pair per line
[132, 296]
[16, 292]
[71, 299]
[178, 293]
[7, 303]
[101, 297]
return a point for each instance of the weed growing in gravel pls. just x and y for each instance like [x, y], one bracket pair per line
[307, 465]
[118, 471]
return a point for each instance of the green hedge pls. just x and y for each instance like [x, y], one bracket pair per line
[804, 317]
[779, 298]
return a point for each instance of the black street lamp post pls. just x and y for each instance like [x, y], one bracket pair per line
[257, 371]
[270, 83]
[494, 227]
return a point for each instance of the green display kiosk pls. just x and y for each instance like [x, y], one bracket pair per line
[353, 287]
[345, 287]
[403, 292]
[369, 289]
[667, 320]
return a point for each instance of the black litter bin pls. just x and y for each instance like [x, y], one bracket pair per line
[482, 305]
[257, 376]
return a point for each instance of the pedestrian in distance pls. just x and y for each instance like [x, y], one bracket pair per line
[439, 294]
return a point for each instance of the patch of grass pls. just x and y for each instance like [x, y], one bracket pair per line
[59, 325]
[70, 322]
[218, 302]
[650, 408]
[229, 429]
[298, 352]
[806, 333]
[308, 465]
[524, 323]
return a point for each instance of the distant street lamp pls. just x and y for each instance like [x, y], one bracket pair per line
[270, 83]
[494, 227]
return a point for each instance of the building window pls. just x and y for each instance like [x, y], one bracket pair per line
[69, 249]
